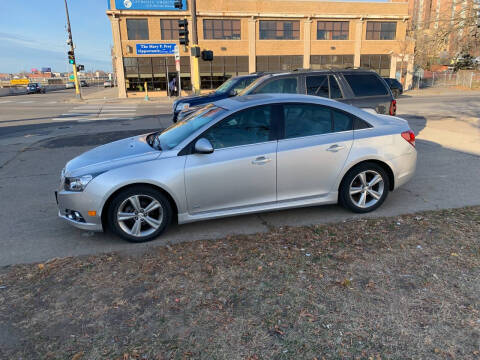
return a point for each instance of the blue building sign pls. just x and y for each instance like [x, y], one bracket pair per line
[156, 49]
[148, 5]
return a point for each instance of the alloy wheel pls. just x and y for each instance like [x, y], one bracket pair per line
[140, 215]
[366, 189]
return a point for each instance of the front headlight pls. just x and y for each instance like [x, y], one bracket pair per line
[77, 183]
[182, 106]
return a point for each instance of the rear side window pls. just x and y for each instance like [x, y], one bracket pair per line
[342, 121]
[317, 85]
[324, 86]
[335, 92]
[306, 120]
[283, 85]
[366, 84]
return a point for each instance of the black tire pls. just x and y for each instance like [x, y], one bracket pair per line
[144, 192]
[344, 192]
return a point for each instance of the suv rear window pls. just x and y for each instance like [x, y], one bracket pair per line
[366, 84]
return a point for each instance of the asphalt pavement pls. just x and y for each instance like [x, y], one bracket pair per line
[40, 133]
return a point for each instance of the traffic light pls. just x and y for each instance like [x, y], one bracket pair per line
[178, 4]
[183, 32]
[71, 57]
[207, 55]
[80, 67]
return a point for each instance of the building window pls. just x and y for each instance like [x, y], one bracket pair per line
[137, 29]
[279, 63]
[378, 63]
[331, 61]
[332, 30]
[279, 30]
[221, 29]
[377, 30]
[169, 29]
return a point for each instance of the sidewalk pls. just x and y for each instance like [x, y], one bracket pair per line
[444, 91]
[110, 95]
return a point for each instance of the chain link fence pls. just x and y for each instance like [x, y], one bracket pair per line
[463, 78]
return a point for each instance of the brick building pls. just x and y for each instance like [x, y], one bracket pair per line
[258, 35]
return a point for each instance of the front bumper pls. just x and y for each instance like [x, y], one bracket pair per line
[81, 203]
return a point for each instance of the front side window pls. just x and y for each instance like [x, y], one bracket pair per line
[279, 86]
[332, 30]
[221, 29]
[176, 133]
[250, 126]
[335, 92]
[306, 120]
[377, 30]
[366, 84]
[169, 29]
[279, 30]
[137, 29]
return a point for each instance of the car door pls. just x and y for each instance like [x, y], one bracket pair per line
[315, 145]
[241, 171]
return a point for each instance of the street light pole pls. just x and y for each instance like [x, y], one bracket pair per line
[195, 50]
[72, 50]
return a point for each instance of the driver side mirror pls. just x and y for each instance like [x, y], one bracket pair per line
[233, 92]
[203, 146]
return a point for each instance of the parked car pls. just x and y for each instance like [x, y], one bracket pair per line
[35, 88]
[69, 85]
[231, 87]
[108, 83]
[395, 86]
[239, 155]
[361, 88]
[83, 83]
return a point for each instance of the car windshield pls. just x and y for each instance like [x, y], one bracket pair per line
[175, 134]
[225, 86]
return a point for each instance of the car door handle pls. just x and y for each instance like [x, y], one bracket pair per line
[335, 148]
[261, 160]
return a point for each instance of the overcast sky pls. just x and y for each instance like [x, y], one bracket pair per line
[33, 34]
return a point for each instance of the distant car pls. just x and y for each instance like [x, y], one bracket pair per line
[395, 85]
[240, 155]
[35, 88]
[108, 83]
[229, 88]
[364, 89]
[83, 83]
[69, 85]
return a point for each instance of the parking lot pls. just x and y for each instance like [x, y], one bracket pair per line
[39, 133]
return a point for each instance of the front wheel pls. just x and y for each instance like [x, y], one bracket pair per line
[139, 213]
[364, 188]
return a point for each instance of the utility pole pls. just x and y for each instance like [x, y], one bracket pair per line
[71, 55]
[195, 51]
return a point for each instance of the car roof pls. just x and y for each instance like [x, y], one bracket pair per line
[237, 103]
[245, 101]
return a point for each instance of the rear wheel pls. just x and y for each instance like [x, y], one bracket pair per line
[364, 188]
[139, 213]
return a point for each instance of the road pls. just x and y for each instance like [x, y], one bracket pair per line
[40, 133]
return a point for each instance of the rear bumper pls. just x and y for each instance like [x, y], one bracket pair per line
[404, 167]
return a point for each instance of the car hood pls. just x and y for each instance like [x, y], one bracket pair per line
[201, 99]
[112, 155]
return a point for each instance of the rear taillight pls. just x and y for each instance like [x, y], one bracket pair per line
[409, 136]
[393, 107]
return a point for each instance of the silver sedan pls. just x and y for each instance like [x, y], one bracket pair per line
[237, 156]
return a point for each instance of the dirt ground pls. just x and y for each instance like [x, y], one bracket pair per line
[406, 287]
